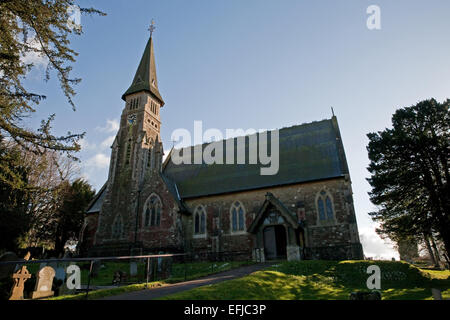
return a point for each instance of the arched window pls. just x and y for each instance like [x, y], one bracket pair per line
[325, 206]
[237, 213]
[321, 208]
[200, 221]
[152, 211]
[117, 227]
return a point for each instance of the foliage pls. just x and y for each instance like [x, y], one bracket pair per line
[69, 217]
[48, 176]
[48, 207]
[37, 27]
[14, 220]
[410, 173]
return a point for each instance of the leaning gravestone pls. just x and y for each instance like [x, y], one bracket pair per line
[6, 270]
[44, 283]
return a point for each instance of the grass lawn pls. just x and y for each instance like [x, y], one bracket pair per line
[326, 280]
[193, 271]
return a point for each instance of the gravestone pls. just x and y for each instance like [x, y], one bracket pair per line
[7, 270]
[19, 281]
[95, 268]
[119, 277]
[63, 289]
[133, 269]
[363, 295]
[437, 294]
[44, 283]
[166, 268]
[60, 273]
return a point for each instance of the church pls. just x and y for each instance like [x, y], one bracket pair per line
[147, 205]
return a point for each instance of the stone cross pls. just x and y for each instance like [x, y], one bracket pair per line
[44, 283]
[19, 281]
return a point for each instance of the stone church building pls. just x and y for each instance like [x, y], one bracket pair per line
[148, 205]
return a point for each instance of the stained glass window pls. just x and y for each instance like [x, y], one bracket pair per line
[321, 209]
[200, 220]
[325, 206]
[329, 208]
[237, 217]
[153, 211]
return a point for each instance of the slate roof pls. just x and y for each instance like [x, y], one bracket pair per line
[145, 78]
[97, 202]
[308, 152]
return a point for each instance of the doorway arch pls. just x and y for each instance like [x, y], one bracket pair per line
[275, 242]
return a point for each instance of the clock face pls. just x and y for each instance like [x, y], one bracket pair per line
[131, 119]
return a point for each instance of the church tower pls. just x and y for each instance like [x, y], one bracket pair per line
[140, 121]
[136, 156]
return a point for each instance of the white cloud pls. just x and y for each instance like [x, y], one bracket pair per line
[85, 145]
[107, 142]
[375, 247]
[36, 58]
[100, 161]
[111, 126]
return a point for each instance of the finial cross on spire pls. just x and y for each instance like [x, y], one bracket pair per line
[152, 27]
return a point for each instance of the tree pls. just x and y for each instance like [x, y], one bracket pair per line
[47, 175]
[40, 27]
[48, 209]
[14, 220]
[70, 216]
[409, 166]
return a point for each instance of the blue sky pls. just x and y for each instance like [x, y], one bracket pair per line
[257, 64]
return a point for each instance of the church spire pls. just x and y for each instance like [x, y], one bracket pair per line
[145, 78]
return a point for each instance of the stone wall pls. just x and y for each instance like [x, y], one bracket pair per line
[341, 233]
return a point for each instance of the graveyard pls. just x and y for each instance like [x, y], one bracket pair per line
[273, 280]
[29, 281]
[325, 280]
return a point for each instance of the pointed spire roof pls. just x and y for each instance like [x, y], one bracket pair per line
[145, 78]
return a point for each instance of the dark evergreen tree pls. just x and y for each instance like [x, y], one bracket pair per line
[410, 172]
[14, 221]
[70, 216]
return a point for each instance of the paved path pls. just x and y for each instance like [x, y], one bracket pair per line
[155, 293]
